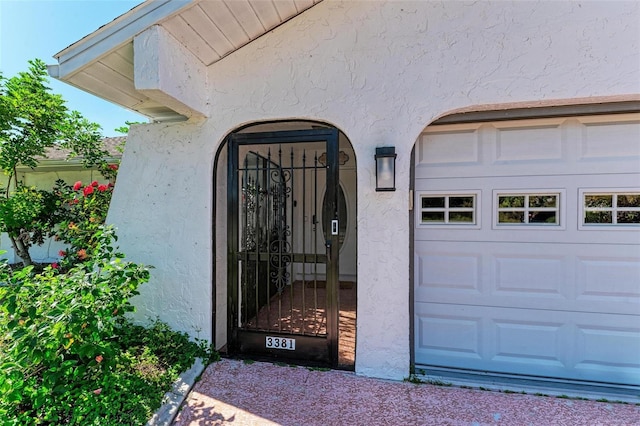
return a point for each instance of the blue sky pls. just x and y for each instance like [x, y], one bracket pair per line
[41, 28]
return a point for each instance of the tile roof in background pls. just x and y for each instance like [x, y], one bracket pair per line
[110, 144]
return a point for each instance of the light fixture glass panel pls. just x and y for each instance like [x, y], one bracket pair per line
[385, 173]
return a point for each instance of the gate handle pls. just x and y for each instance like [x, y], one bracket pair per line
[334, 227]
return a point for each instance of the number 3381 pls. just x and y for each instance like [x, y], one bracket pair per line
[280, 343]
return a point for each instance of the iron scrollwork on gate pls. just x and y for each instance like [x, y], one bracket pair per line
[280, 249]
[265, 192]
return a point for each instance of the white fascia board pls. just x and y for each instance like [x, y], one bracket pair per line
[114, 34]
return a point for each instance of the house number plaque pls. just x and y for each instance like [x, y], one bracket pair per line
[280, 343]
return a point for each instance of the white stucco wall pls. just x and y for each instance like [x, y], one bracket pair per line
[161, 207]
[380, 71]
[168, 73]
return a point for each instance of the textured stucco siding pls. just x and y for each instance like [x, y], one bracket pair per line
[162, 208]
[168, 73]
[380, 72]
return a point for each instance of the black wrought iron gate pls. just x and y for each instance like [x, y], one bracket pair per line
[283, 260]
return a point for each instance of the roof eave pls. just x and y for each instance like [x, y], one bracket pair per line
[109, 40]
[115, 34]
[104, 64]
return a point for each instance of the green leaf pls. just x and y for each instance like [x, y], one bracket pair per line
[13, 397]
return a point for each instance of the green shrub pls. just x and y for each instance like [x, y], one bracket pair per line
[68, 354]
[27, 216]
[82, 212]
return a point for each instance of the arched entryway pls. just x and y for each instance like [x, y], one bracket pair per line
[290, 242]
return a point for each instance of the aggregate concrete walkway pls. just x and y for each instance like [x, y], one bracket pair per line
[233, 392]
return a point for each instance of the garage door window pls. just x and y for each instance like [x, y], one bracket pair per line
[610, 208]
[448, 209]
[528, 209]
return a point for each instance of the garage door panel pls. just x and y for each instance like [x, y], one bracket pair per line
[459, 145]
[456, 272]
[606, 140]
[584, 166]
[498, 339]
[529, 276]
[555, 146]
[513, 341]
[523, 275]
[597, 238]
[569, 230]
[599, 176]
[566, 277]
[558, 300]
[608, 279]
[434, 327]
[600, 239]
[598, 344]
[532, 342]
[608, 347]
[532, 144]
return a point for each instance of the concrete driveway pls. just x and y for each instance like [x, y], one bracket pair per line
[233, 392]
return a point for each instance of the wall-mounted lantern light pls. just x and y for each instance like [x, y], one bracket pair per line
[386, 168]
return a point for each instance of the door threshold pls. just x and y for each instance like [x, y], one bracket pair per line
[310, 365]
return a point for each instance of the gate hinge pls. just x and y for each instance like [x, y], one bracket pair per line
[411, 200]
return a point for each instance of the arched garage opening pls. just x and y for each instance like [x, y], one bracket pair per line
[285, 229]
[526, 230]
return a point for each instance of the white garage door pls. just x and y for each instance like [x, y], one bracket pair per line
[527, 247]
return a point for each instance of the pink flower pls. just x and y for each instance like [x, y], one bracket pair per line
[99, 358]
[77, 185]
[102, 188]
[55, 265]
[94, 183]
[113, 167]
[62, 253]
[98, 391]
[87, 190]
